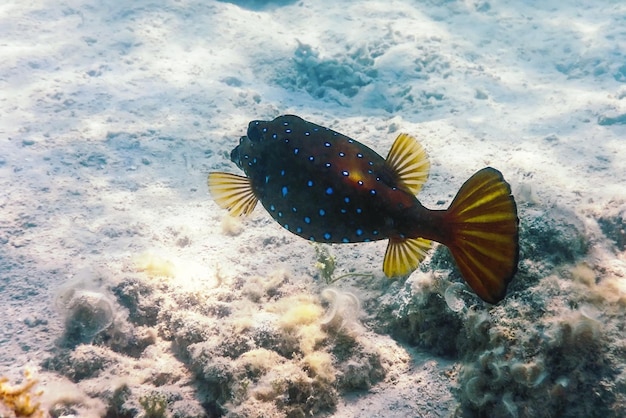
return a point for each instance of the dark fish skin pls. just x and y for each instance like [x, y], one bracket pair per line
[325, 186]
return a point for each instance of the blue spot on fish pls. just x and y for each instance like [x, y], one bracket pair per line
[322, 212]
[327, 236]
[284, 191]
[307, 220]
[329, 191]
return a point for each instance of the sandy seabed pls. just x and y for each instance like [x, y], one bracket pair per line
[127, 292]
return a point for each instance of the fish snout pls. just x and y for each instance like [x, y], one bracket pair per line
[235, 156]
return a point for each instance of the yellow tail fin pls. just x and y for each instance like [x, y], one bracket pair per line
[484, 233]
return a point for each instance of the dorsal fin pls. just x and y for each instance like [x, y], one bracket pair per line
[232, 192]
[408, 159]
[404, 255]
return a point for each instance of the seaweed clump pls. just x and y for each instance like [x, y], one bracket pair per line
[21, 400]
[276, 351]
[118, 338]
[325, 77]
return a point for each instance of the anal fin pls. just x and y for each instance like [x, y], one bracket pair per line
[232, 192]
[404, 255]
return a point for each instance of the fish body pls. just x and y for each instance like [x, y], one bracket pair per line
[326, 187]
[320, 184]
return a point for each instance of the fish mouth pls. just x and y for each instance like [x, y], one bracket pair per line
[235, 156]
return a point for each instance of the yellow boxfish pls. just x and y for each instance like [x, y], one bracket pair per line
[327, 187]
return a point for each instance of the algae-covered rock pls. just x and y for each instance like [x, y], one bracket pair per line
[550, 343]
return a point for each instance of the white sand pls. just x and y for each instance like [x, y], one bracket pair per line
[113, 114]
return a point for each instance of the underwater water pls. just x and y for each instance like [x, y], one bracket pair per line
[127, 291]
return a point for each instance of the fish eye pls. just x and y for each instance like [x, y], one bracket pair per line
[255, 131]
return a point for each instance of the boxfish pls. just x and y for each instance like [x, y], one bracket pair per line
[327, 187]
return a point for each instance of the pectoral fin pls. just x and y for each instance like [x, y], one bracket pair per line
[232, 192]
